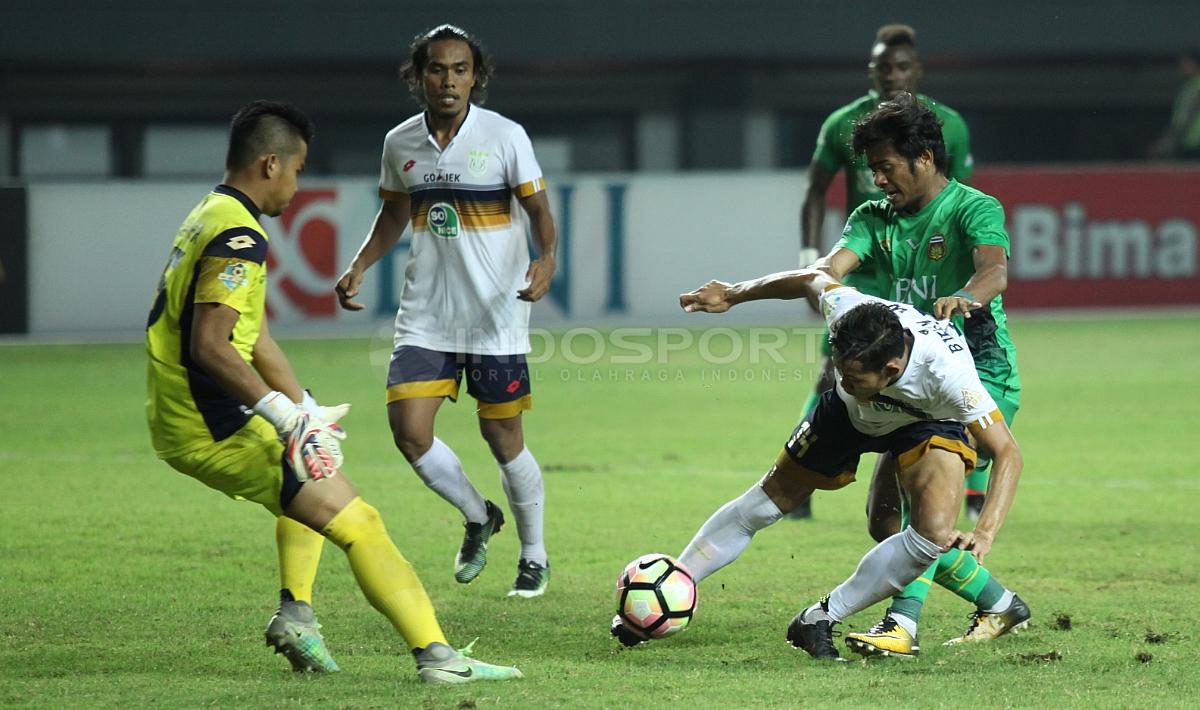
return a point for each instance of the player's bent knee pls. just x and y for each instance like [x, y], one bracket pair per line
[881, 527]
[355, 521]
[412, 446]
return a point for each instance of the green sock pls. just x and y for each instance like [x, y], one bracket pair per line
[977, 480]
[957, 571]
[911, 599]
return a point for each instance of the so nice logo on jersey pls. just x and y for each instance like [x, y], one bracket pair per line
[443, 220]
[302, 258]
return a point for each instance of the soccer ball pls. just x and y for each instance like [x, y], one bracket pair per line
[656, 596]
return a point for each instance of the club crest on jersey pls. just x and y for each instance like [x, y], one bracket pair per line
[937, 247]
[443, 220]
[233, 276]
[477, 161]
[971, 398]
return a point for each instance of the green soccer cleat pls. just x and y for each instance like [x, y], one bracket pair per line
[294, 632]
[442, 665]
[531, 581]
[986, 626]
[472, 556]
[887, 638]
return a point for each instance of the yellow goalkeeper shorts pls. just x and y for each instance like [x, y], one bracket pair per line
[246, 466]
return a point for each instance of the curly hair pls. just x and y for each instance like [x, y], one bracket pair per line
[869, 334]
[908, 125]
[412, 70]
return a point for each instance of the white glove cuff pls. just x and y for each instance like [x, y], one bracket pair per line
[275, 407]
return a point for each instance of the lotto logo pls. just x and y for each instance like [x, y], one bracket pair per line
[240, 242]
[302, 259]
[409, 165]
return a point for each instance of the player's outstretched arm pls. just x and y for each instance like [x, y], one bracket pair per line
[837, 263]
[989, 280]
[389, 225]
[997, 440]
[718, 296]
[545, 238]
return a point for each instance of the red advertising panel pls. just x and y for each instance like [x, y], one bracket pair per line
[1084, 236]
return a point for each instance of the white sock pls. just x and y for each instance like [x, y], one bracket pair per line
[522, 481]
[909, 625]
[1003, 603]
[721, 539]
[884, 570]
[443, 473]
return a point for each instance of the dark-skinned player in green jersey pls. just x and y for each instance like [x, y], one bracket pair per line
[940, 246]
[894, 66]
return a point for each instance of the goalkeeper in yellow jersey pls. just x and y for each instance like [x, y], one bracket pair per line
[225, 408]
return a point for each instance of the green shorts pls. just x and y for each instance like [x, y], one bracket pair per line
[1008, 400]
[246, 466]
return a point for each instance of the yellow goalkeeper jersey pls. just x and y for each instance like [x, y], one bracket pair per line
[219, 256]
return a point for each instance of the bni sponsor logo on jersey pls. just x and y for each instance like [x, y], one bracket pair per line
[302, 257]
[443, 220]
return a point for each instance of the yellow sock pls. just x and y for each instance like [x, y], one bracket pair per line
[385, 577]
[299, 554]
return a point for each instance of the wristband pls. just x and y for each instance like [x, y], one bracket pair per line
[964, 295]
[275, 407]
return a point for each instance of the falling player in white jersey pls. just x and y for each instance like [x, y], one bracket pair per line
[457, 171]
[905, 384]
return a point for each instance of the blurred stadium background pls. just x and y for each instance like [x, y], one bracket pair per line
[674, 135]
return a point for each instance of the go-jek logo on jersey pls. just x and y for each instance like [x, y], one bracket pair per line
[443, 220]
[302, 257]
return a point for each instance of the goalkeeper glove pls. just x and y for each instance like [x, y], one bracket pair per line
[310, 434]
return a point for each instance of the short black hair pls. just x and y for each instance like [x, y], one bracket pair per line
[263, 127]
[908, 125]
[411, 71]
[895, 35]
[869, 334]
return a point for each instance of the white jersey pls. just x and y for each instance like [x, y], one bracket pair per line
[469, 251]
[939, 383]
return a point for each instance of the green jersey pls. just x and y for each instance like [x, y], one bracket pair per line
[1185, 119]
[924, 256]
[834, 153]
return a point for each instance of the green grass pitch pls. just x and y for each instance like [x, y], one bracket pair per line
[123, 583]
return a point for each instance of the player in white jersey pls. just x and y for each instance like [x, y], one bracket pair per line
[457, 172]
[905, 384]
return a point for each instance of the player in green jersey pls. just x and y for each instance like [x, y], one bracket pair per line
[940, 246]
[894, 66]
